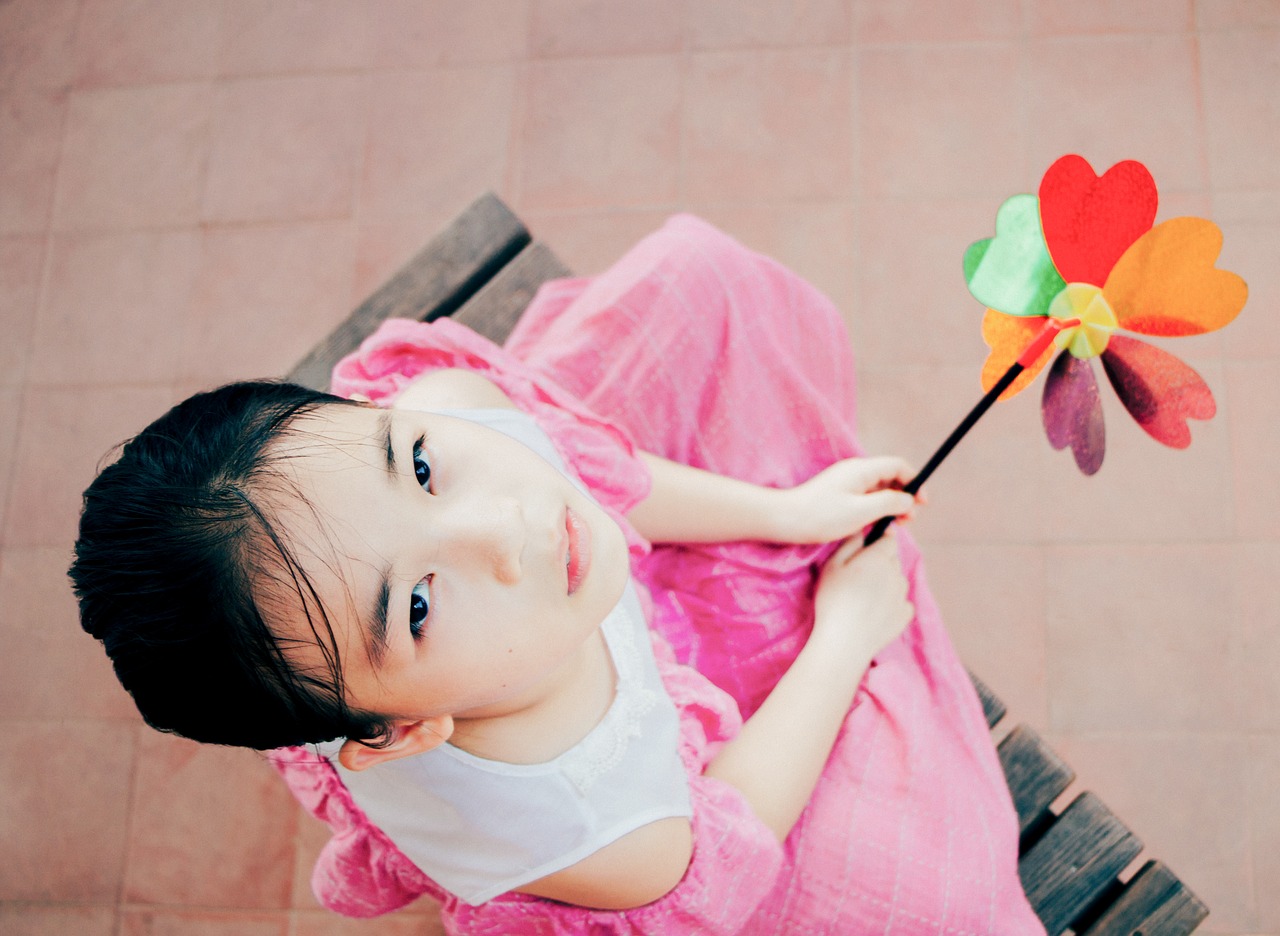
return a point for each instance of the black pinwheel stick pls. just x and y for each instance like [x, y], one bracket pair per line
[1028, 357]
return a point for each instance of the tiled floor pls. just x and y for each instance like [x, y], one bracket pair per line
[196, 191]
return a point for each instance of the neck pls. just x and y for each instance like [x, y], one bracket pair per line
[557, 713]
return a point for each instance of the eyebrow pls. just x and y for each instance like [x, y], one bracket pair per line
[377, 631]
[383, 436]
[378, 621]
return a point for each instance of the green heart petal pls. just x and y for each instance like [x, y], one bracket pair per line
[1012, 272]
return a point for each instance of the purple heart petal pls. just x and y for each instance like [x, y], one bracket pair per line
[1072, 411]
[1158, 389]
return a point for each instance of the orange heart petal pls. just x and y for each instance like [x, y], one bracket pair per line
[1166, 283]
[1008, 336]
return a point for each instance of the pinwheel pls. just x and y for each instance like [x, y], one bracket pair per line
[1072, 269]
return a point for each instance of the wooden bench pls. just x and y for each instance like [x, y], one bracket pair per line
[483, 270]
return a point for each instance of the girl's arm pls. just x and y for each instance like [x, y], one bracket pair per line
[689, 505]
[775, 761]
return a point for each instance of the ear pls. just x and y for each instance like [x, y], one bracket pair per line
[408, 738]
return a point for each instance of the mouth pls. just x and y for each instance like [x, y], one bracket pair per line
[578, 551]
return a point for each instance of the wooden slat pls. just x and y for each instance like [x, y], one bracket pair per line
[1075, 862]
[444, 275]
[494, 310]
[1036, 775]
[992, 707]
[1154, 903]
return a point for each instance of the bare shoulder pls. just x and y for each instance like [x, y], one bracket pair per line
[637, 869]
[453, 388]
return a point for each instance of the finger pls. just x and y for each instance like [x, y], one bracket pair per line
[888, 503]
[887, 472]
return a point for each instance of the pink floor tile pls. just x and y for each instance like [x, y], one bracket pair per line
[430, 157]
[1236, 14]
[1125, 98]
[21, 268]
[745, 137]
[177, 43]
[1240, 71]
[284, 149]
[600, 133]
[913, 306]
[62, 436]
[993, 600]
[135, 922]
[31, 123]
[942, 120]
[1257, 608]
[720, 24]
[1255, 446]
[600, 27]
[64, 816]
[10, 410]
[1263, 770]
[1139, 639]
[259, 37]
[52, 668]
[424, 33]
[589, 241]
[133, 157]
[1185, 797]
[879, 21]
[1100, 18]
[38, 920]
[37, 43]
[1249, 249]
[211, 827]
[264, 295]
[114, 298]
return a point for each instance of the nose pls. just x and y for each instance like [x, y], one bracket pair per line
[487, 536]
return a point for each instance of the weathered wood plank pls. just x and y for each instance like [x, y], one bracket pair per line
[1075, 862]
[992, 707]
[1036, 775]
[443, 275]
[1154, 903]
[494, 310]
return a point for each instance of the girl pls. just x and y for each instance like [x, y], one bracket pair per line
[517, 702]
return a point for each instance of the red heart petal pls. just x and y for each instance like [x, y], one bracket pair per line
[1089, 222]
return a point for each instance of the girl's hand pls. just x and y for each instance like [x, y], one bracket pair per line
[861, 600]
[841, 500]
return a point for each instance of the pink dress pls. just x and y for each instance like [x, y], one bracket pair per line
[698, 349]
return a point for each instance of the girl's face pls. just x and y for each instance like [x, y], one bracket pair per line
[462, 574]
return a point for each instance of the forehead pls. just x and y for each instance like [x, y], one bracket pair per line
[321, 505]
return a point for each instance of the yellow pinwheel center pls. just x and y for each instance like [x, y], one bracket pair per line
[1085, 302]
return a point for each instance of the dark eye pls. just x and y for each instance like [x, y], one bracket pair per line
[419, 605]
[421, 469]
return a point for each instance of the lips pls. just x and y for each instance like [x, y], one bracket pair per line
[578, 551]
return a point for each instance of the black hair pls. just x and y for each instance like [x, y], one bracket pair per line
[174, 556]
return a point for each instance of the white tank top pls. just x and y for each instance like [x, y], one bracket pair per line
[479, 827]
